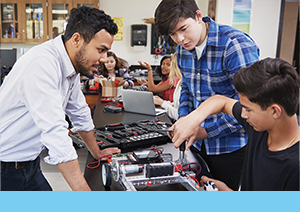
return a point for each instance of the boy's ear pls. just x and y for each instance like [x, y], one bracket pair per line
[276, 110]
[199, 15]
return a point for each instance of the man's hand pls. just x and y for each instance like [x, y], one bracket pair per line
[108, 151]
[220, 185]
[90, 141]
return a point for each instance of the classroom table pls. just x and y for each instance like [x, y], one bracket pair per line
[101, 118]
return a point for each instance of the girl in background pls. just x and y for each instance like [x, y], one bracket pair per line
[165, 86]
[171, 107]
[112, 68]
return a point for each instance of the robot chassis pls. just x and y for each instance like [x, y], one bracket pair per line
[131, 176]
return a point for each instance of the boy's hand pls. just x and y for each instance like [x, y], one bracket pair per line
[187, 129]
[220, 185]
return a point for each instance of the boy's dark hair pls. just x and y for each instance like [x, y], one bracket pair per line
[119, 64]
[158, 70]
[168, 13]
[270, 81]
[87, 22]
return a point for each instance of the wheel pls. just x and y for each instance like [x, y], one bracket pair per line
[106, 175]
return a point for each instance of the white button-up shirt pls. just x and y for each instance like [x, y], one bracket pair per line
[40, 89]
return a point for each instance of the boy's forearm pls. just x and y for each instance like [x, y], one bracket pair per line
[213, 105]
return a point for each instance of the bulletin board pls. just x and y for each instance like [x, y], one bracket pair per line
[119, 22]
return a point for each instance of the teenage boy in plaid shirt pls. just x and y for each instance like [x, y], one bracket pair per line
[208, 56]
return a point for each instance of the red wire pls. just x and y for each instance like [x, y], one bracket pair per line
[200, 167]
[180, 167]
[153, 147]
[194, 179]
[97, 162]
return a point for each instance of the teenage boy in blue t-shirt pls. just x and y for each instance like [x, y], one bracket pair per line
[269, 97]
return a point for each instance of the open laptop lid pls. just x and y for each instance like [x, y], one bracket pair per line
[139, 102]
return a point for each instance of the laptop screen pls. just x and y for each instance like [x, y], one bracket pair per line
[139, 102]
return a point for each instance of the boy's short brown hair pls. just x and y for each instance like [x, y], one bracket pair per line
[169, 12]
[270, 81]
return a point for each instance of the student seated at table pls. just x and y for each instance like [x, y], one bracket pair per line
[171, 107]
[269, 97]
[165, 86]
[112, 68]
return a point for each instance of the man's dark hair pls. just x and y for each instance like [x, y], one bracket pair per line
[270, 81]
[169, 12]
[87, 22]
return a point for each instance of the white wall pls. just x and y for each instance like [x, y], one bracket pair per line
[133, 12]
[264, 23]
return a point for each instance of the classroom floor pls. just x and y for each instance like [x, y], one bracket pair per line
[53, 175]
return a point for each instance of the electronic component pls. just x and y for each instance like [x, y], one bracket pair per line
[131, 176]
[159, 169]
[144, 156]
[112, 109]
[107, 99]
[210, 186]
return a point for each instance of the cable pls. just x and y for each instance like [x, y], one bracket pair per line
[200, 167]
[181, 171]
[159, 152]
[97, 162]
[194, 180]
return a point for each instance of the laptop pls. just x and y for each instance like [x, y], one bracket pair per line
[140, 102]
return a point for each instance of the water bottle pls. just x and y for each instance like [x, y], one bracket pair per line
[12, 29]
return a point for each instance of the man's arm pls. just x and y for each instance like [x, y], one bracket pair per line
[187, 128]
[73, 175]
[90, 140]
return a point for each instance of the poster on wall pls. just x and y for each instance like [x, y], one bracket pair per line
[242, 15]
[119, 22]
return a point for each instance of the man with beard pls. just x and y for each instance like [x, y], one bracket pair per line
[42, 87]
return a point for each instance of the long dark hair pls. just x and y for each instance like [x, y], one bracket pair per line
[158, 70]
[119, 64]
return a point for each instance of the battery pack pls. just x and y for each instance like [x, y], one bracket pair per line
[159, 169]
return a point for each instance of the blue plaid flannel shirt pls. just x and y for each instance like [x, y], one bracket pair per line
[227, 51]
